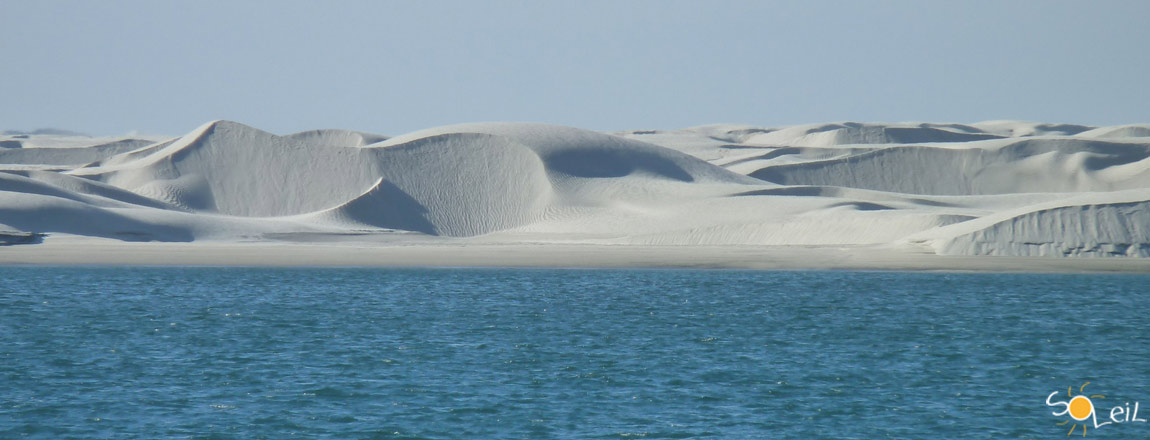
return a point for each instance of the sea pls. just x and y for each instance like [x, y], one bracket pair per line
[259, 353]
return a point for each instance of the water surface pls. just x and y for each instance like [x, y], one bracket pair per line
[443, 353]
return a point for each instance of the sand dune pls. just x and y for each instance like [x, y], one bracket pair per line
[64, 156]
[991, 188]
[1121, 131]
[229, 168]
[1032, 165]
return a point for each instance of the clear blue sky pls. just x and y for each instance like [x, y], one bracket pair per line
[164, 67]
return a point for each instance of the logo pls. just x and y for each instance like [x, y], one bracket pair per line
[1081, 408]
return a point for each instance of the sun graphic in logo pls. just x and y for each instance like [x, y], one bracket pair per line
[1080, 408]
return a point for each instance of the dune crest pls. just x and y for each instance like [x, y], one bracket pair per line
[990, 188]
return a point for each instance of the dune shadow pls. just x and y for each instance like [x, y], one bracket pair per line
[388, 206]
[926, 202]
[825, 191]
[17, 238]
[902, 135]
[862, 206]
[777, 152]
[774, 175]
[1115, 157]
[1102, 154]
[95, 222]
[794, 191]
[613, 163]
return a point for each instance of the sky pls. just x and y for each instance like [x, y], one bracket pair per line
[391, 67]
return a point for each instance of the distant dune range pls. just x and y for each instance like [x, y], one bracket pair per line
[996, 188]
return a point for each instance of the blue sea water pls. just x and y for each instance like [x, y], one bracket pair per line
[468, 353]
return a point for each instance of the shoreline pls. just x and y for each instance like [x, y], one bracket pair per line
[467, 254]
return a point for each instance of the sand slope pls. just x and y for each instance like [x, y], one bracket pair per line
[1033, 165]
[992, 188]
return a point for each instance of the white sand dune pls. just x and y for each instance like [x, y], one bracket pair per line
[22, 154]
[1120, 131]
[976, 168]
[1095, 224]
[999, 188]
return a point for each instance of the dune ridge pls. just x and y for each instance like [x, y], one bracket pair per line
[997, 188]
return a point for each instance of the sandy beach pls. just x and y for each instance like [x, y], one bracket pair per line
[88, 251]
